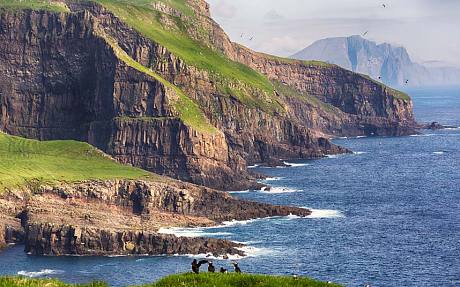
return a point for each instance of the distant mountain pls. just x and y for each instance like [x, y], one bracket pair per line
[390, 64]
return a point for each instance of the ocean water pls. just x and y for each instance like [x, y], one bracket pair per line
[387, 215]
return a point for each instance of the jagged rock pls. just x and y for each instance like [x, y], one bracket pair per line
[49, 239]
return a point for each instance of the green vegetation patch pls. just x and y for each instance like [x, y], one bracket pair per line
[24, 161]
[26, 282]
[187, 280]
[189, 111]
[236, 280]
[34, 5]
[145, 19]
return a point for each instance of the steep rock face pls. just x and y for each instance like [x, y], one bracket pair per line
[47, 239]
[123, 217]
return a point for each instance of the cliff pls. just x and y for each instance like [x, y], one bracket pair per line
[384, 62]
[123, 217]
[141, 82]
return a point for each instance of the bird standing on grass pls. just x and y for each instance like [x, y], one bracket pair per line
[211, 267]
[196, 265]
[237, 268]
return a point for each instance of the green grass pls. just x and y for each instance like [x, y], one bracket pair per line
[187, 280]
[142, 17]
[236, 280]
[26, 282]
[25, 162]
[188, 111]
[34, 5]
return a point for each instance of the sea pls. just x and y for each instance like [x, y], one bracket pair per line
[386, 215]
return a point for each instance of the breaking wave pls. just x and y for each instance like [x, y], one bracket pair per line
[274, 178]
[43, 272]
[278, 190]
[290, 164]
[325, 213]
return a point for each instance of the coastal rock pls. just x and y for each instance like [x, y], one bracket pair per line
[124, 217]
[53, 240]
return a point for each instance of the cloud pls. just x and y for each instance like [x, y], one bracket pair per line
[223, 9]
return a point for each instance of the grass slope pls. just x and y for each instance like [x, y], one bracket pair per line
[26, 282]
[140, 15]
[24, 161]
[34, 4]
[186, 280]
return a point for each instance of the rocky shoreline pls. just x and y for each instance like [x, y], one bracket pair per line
[123, 217]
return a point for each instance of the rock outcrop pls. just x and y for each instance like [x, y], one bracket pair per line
[123, 217]
[60, 78]
[51, 240]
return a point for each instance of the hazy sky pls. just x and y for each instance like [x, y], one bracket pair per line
[429, 29]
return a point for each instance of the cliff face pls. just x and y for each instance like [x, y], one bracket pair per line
[61, 77]
[392, 64]
[123, 217]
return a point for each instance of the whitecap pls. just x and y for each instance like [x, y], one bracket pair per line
[274, 178]
[359, 152]
[438, 152]
[452, 128]
[332, 155]
[360, 137]
[325, 213]
[253, 166]
[190, 232]
[278, 190]
[43, 272]
[291, 164]
[424, 135]
[240, 191]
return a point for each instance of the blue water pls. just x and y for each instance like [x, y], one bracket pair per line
[388, 216]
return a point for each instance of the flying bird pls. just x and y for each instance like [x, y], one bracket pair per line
[365, 33]
[250, 39]
[407, 82]
[384, 6]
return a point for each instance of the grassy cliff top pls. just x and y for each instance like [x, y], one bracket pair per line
[186, 280]
[23, 161]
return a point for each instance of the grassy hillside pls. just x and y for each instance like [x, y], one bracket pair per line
[24, 161]
[140, 15]
[186, 280]
[34, 4]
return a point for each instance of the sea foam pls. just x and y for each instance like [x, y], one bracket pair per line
[325, 213]
[43, 272]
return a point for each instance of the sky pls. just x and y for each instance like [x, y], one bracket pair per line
[428, 29]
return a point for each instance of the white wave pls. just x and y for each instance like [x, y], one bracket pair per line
[332, 155]
[424, 135]
[439, 152]
[253, 166]
[249, 251]
[360, 137]
[290, 164]
[274, 178]
[359, 152]
[191, 232]
[278, 190]
[40, 273]
[241, 191]
[325, 213]
[453, 128]
[343, 138]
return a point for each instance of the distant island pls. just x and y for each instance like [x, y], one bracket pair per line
[387, 63]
